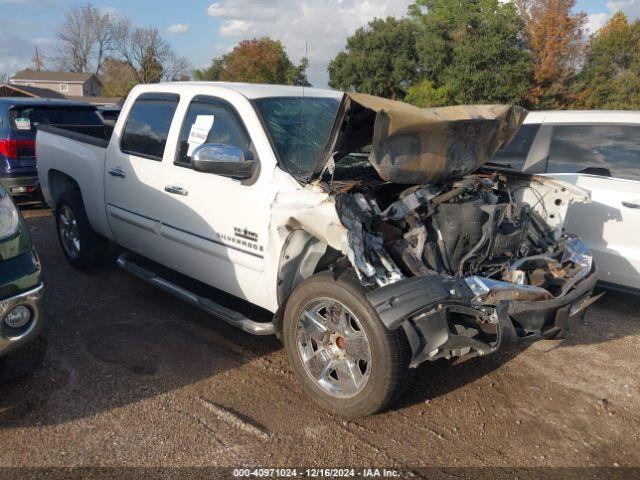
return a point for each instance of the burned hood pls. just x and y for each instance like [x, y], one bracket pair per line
[411, 145]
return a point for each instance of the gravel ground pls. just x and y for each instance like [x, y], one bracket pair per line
[136, 378]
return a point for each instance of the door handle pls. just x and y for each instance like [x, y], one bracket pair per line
[176, 190]
[117, 172]
[631, 205]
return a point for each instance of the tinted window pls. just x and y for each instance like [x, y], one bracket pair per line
[515, 153]
[28, 118]
[615, 148]
[145, 133]
[210, 121]
[300, 128]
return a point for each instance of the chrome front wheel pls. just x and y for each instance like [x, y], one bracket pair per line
[334, 347]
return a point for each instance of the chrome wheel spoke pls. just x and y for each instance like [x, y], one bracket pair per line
[337, 316]
[350, 378]
[357, 347]
[320, 365]
[316, 320]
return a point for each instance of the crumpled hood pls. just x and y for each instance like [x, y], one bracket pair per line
[415, 146]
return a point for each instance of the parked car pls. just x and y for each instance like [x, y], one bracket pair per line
[109, 113]
[598, 151]
[19, 118]
[368, 263]
[22, 345]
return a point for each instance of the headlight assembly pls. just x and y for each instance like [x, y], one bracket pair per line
[9, 220]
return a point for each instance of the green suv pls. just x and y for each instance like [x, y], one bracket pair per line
[22, 345]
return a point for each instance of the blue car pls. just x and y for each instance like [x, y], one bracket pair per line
[19, 119]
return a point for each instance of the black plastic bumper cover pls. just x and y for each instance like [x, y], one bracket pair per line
[424, 308]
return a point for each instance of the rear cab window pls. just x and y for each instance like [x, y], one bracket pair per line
[27, 118]
[608, 150]
[514, 155]
[147, 127]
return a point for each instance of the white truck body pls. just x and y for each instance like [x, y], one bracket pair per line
[460, 262]
[568, 141]
[193, 234]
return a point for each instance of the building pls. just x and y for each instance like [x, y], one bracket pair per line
[7, 90]
[67, 83]
[85, 87]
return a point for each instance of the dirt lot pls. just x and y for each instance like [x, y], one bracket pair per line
[134, 377]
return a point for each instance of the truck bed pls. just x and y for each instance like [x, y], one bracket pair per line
[92, 134]
[75, 154]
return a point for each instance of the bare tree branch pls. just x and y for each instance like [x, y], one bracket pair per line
[84, 39]
[150, 57]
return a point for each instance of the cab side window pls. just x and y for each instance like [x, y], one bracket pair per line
[610, 150]
[515, 153]
[147, 128]
[211, 120]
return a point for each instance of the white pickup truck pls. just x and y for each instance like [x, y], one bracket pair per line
[368, 229]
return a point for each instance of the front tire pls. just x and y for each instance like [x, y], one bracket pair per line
[82, 247]
[342, 354]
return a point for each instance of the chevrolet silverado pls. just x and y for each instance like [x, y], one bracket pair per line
[371, 231]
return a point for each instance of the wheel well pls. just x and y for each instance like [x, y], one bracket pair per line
[59, 183]
[302, 256]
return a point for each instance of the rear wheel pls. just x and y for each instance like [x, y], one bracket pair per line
[82, 247]
[343, 355]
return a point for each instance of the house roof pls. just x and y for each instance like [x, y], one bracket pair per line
[7, 90]
[15, 91]
[47, 76]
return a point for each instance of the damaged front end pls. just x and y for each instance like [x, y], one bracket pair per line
[465, 259]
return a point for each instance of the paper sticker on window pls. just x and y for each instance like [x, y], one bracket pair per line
[199, 132]
[23, 123]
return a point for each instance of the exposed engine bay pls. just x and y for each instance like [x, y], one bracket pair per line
[410, 187]
[464, 257]
[470, 228]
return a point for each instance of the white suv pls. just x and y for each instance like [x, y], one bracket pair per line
[600, 152]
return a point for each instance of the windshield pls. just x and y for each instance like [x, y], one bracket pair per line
[27, 118]
[300, 128]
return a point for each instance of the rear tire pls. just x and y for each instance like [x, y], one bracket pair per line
[376, 370]
[23, 361]
[82, 247]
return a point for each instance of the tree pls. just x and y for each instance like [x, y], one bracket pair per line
[117, 77]
[256, 61]
[611, 74]
[214, 72]
[84, 39]
[555, 38]
[379, 59]
[426, 95]
[298, 75]
[472, 49]
[151, 58]
[38, 63]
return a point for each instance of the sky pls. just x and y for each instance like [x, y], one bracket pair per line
[201, 30]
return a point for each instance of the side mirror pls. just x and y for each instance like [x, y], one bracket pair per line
[224, 160]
